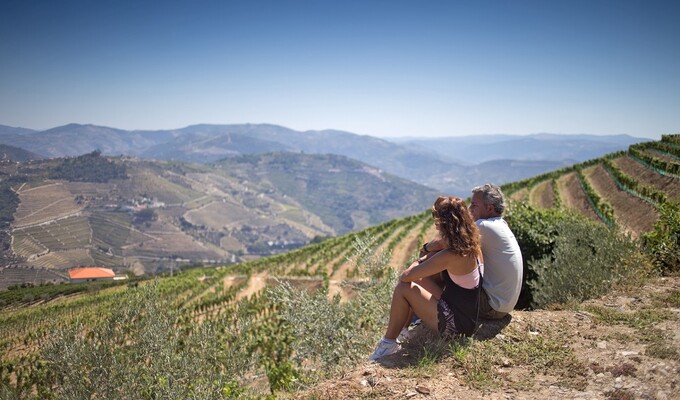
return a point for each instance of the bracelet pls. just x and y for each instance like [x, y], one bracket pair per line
[425, 247]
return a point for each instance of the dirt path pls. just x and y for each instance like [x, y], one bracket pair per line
[256, 283]
[649, 177]
[631, 213]
[383, 246]
[407, 247]
[542, 195]
[595, 357]
[573, 196]
[520, 195]
[335, 281]
[661, 155]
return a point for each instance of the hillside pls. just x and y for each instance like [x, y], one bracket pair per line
[601, 318]
[623, 345]
[437, 163]
[12, 153]
[147, 217]
[346, 194]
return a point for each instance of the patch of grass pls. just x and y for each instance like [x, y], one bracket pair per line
[619, 394]
[671, 299]
[636, 270]
[659, 346]
[543, 354]
[640, 319]
[620, 337]
[482, 360]
[427, 362]
[662, 350]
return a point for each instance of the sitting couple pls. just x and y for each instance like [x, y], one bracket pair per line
[448, 287]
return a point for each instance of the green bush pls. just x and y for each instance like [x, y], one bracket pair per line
[586, 259]
[329, 334]
[536, 231]
[557, 244]
[141, 352]
[91, 167]
[663, 243]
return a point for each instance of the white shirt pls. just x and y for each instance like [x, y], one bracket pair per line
[503, 263]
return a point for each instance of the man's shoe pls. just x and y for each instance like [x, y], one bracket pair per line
[384, 348]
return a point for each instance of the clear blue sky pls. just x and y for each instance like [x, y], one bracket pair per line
[381, 68]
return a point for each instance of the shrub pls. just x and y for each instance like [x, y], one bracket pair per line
[663, 243]
[329, 334]
[586, 259]
[141, 352]
[536, 231]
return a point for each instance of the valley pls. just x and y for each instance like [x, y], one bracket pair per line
[165, 215]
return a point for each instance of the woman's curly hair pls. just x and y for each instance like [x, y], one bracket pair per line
[456, 225]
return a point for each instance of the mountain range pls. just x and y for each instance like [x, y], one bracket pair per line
[451, 165]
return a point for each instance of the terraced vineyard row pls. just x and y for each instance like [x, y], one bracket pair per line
[624, 188]
[68, 233]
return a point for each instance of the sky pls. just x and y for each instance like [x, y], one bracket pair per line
[381, 68]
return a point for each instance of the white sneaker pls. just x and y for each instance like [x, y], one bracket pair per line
[384, 348]
[404, 335]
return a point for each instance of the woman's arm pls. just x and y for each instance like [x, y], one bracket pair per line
[433, 246]
[433, 264]
[425, 266]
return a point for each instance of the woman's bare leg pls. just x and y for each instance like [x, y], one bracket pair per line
[432, 284]
[409, 296]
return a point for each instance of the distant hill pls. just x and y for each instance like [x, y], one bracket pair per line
[147, 216]
[438, 163]
[17, 154]
[11, 130]
[537, 147]
[493, 171]
[345, 193]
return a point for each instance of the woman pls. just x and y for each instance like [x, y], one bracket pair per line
[454, 308]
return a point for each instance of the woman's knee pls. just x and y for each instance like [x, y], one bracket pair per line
[403, 287]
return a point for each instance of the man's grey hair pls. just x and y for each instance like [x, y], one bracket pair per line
[492, 195]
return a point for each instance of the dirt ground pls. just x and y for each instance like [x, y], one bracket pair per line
[574, 197]
[256, 283]
[519, 195]
[633, 214]
[606, 360]
[542, 195]
[649, 177]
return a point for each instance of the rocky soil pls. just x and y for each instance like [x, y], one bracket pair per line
[625, 345]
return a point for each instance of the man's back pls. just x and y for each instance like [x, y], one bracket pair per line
[502, 263]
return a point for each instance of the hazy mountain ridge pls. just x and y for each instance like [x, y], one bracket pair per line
[11, 130]
[537, 147]
[441, 163]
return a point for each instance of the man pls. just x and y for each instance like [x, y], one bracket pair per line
[502, 281]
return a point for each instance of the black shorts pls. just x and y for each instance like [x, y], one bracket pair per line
[445, 323]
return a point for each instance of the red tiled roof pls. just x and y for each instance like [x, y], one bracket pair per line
[91, 273]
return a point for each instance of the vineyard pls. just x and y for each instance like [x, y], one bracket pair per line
[624, 189]
[237, 330]
[39, 205]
